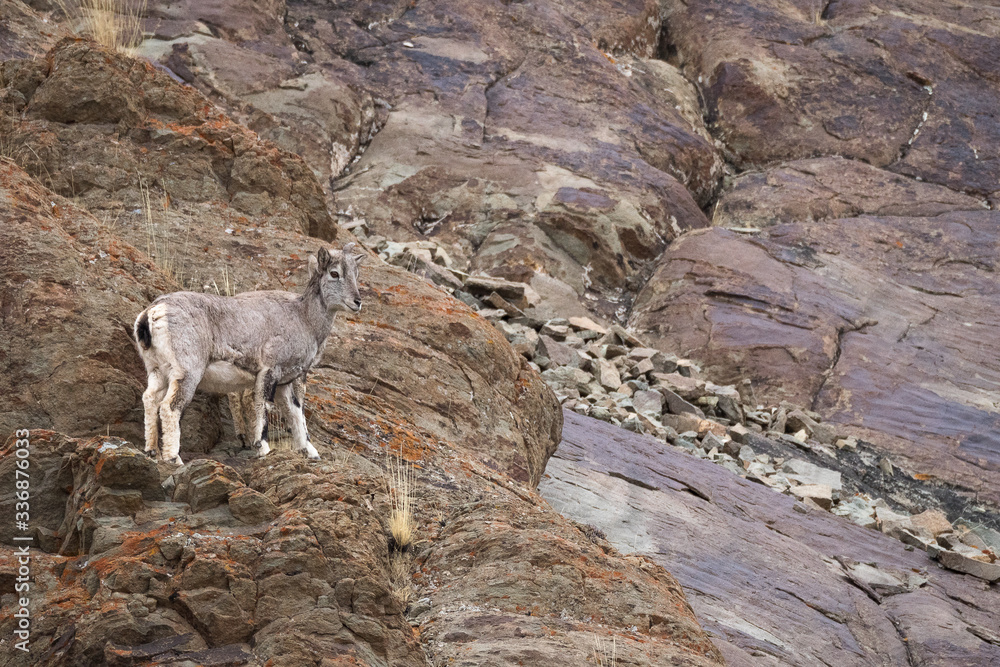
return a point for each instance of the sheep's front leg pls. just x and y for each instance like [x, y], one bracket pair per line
[263, 391]
[290, 399]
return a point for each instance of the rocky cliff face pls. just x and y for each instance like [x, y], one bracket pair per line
[798, 196]
[119, 184]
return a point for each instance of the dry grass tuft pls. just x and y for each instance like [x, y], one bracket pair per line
[606, 652]
[116, 24]
[399, 485]
[399, 576]
[156, 242]
[228, 284]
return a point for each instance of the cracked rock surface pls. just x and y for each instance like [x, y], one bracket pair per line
[774, 582]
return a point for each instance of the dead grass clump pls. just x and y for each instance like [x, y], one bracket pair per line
[399, 485]
[605, 652]
[116, 24]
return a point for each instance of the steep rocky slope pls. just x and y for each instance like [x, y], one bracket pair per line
[136, 185]
[566, 144]
[800, 196]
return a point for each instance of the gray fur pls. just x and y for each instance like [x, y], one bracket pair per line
[265, 342]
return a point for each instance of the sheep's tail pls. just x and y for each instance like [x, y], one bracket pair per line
[143, 335]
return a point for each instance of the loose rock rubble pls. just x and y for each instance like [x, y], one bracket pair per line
[608, 373]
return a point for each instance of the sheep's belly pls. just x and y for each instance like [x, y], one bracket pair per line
[222, 377]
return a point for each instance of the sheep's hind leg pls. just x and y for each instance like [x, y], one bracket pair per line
[180, 391]
[263, 390]
[151, 398]
[289, 399]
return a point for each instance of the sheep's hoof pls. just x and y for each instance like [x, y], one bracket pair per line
[311, 452]
[262, 448]
[174, 461]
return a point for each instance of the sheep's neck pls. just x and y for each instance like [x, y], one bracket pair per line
[317, 315]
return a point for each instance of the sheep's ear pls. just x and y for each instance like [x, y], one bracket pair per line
[349, 248]
[313, 267]
[358, 257]
[322, 259]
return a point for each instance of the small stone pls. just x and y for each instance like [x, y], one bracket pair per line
[632, 423]
[849, 443]
[688, 388]
[739, 433]
[557, 331]
[808, 473]
[958, 562]
[676, 404]
[607, 374]
[712, 441]
[558, 353]
[649, 403]
[891, 523]
[821, 494]
[885, 465]
[587, 324]
[643, 367]
[625, 389]
[934, 522]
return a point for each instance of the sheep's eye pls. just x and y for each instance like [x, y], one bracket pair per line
[335, 275]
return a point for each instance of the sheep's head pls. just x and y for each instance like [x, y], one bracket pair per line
[336, 272]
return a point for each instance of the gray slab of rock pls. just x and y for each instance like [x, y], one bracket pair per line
[676, 404]
[857, 510]
[821, 494]
[642, 367]
[558, 353]
[810, 473]
[649, 403]
[688, 388]
[955, 561]
[606, 373]
[738, 433]
[569, 377]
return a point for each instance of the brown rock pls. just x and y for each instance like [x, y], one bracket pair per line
[606, 374]
[854, 79]
[932, 521]
[831, 188]
[821, 494]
